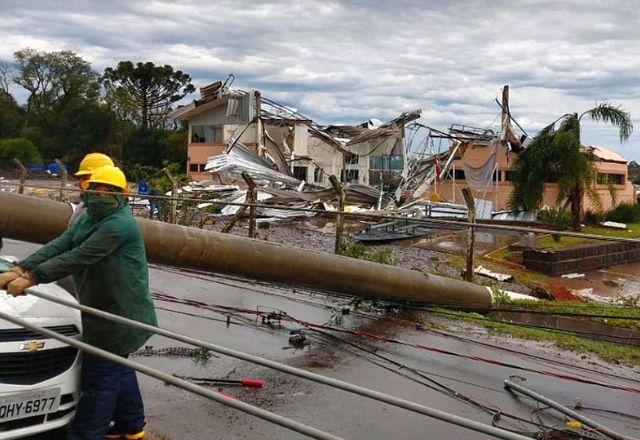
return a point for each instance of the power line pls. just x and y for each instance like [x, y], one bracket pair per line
[346, 386]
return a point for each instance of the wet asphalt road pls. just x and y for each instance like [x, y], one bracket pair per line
[180, 415]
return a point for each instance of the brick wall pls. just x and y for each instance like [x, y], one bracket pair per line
[581, 258]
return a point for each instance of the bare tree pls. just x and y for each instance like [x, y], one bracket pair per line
[6, 75]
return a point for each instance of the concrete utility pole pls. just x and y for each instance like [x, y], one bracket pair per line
[339, 216]
[23, 175]
[63, 179]
[471, 209]
[180, 246]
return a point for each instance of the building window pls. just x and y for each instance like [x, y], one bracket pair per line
[318, 175]
[209, 134]
[454, 174]
[351, 159]
[390, 162]
[610, 179]
[300, 173]
[396, 163]
[197, 167]
[509, 176]
[351, 176]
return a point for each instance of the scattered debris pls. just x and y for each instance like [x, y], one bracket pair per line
[493, 275]
[573, 275]
[615, 225]
[297, 338]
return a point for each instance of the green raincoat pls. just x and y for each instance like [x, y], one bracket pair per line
[109, 266]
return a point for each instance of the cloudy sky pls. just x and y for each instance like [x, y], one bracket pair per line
[347, 61]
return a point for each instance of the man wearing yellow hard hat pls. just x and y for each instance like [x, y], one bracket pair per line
[104, 251]
[91, 161]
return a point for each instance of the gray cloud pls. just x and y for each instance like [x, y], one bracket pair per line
[343, 61]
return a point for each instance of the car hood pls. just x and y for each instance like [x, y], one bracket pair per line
[31, 307]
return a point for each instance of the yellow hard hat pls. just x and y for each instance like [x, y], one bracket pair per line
[93, 161]
[108, 175]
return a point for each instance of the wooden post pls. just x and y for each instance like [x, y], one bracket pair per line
[339, 216]
[23, 175]
[505, 122]
[63, 178]
[174, 193]
[471, 208]
[227, 228]
[252, 197]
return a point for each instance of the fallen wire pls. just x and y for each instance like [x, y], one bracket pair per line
[431, 384]
[206, 276]
[494, 410]
[366, 334]
[425, 380]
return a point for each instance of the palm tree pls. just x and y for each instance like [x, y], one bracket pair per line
[557, 156]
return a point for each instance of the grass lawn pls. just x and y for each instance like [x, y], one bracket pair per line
[633, 231]
[609, 351]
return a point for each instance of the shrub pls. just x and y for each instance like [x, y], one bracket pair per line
[18, 148]
[362, 252]
[624, 213]
[555, 219]
[592, 218]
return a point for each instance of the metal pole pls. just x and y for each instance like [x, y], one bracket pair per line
[563, 409]
[180, 383]
[346, 386]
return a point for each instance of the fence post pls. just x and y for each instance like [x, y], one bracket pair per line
[339, 215]
[63, 179]
[471, 209]
[252, 197]
[174, 193]
[23, 175]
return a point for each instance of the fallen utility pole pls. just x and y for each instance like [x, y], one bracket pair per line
[569, 412]
[167, 378]
[179, 246]
[335, 383]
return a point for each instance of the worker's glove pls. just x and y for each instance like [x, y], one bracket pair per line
[18, 286]
[7, 277]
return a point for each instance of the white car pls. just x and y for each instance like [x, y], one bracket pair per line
[39, 377]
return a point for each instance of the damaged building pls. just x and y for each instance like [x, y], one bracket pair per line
[372, 153]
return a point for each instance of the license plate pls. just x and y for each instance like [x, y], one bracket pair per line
[32, 403]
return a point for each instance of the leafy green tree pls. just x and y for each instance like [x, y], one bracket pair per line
[18, 148]
[558, 156]
[53, 80]
[146, 146]
[176, 148]
[11, 118]
[147, 88]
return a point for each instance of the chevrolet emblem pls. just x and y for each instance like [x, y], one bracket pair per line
[32, 346]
